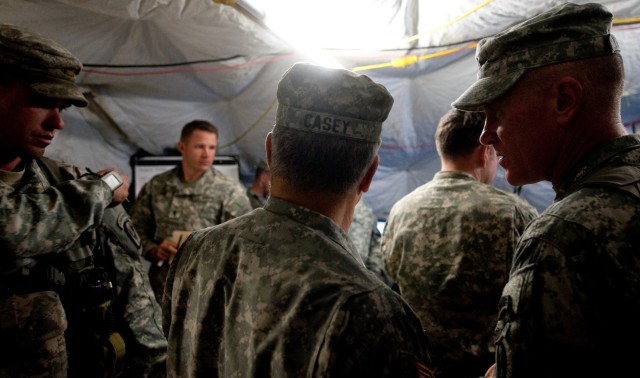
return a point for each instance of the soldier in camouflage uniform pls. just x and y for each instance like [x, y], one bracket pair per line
[191, 196]
[365, 236]
[74, 301]
[280, 292]
[551, 88]
[259, 190]
[448, 245]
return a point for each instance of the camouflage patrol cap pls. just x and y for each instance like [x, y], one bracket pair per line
[41, 64]
[332, 101]
[564, 33]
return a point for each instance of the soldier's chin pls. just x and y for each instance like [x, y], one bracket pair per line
[33, 152]
[516, 180]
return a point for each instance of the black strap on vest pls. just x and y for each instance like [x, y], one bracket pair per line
[89, 297]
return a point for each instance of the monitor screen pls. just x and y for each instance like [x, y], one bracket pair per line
[145, 167]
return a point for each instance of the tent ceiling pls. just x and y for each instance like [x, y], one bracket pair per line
[150, 66]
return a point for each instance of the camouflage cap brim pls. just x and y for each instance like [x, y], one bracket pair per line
[62, 91]
[486, 90]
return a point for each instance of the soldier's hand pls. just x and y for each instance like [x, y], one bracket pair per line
[490, 372]
[120, 194]
[164, 251]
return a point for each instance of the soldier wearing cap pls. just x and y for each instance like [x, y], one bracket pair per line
[551, 88]
[281, 292]
[73, 299]
[260, 188]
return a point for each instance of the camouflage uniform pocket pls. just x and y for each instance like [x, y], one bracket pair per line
[40, 316]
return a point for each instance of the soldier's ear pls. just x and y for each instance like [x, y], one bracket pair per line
[368, 177]
[487, 154]
[568, 94]
[267, 147]
[480, 155]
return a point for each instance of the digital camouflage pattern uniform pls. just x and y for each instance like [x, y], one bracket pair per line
[572, 303]
[166, 204]
[38, 227]
[365, 236]
[280, 293]
[448, 246]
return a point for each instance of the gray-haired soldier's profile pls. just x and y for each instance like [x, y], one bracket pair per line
[551, 88]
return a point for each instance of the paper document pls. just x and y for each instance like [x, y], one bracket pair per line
[179, 237]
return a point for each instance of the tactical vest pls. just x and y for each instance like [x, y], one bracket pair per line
[85, 285]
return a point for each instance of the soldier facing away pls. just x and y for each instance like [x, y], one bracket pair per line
[280, 292]
[448, 245]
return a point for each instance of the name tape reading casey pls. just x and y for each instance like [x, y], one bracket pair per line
[331, 124]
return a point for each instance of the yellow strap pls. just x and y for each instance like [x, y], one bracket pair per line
[117, 342]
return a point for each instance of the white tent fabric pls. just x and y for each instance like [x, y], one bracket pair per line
[150, 66]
